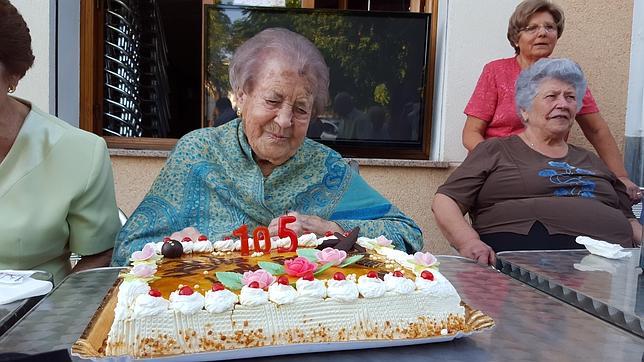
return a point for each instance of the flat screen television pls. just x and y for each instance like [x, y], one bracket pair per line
[379, 73]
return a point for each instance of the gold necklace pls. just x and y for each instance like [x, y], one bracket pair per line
[530, 143]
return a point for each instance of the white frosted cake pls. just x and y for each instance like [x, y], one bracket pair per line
[208, 297]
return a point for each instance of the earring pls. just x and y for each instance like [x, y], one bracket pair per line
[12, 88]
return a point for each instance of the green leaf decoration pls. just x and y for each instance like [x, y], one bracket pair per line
[350, 260]
[322, 268]
[308, 253]
[273, 268]
[230, 280]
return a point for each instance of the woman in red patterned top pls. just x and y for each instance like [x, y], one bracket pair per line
[533, 30]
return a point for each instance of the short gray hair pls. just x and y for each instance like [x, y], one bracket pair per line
[301, 54]
[530, 79]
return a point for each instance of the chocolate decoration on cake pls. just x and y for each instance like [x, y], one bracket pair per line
[346, 243]
[329, 243]
[172, 249]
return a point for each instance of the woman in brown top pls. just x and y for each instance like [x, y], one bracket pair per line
[533, 190]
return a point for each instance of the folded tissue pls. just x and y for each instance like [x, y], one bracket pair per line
[18, 284]
[595, 263]
[603, 248]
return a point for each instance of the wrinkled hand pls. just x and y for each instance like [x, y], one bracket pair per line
[632, 189]
[190, 232]
[479, 251]
[306, 224]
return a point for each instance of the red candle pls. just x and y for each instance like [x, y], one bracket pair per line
[242, 232]
[283, 231]
[265, 234]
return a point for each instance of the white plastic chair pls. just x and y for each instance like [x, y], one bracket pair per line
[122, 217]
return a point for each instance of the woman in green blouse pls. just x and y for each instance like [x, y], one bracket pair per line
[56, 185]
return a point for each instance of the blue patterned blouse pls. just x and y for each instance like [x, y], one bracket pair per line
[211, 182]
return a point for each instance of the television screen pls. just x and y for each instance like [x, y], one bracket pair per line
[378, 65]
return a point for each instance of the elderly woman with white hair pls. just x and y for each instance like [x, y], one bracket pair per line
[534, 191]
[260, 166]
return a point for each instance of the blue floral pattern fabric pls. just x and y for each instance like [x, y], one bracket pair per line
[211, 182]
[572, 179]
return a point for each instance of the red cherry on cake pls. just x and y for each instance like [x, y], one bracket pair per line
[202, 237]
[372, 274]
[398, 274]
[308, 276]
[217, 287]
[254, 285]
[328, 233]
[283, 280]
[154, 293]
[186, 239]
[339, 276]
[426, 274]
[186, 290]
[166, 239]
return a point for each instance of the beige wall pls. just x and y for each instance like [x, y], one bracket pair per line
[38, 85]
[597, 36]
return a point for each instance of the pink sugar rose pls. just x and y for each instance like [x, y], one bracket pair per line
[261, 276]
[145, 254]
[426, 259]
[383, 241]
[143, 270]
[299, 267]
[330, 255]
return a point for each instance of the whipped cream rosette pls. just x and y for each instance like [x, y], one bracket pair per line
[224, 245]
[281, 293]
[396, 283]
[313, 289]
[308, 241]
[220, 301]
[370, 286]
[188, 245]
[186, 301]
[202, 246]
[342, 290]
[433, 283]
[147, 305]
[130, 289]
[252, 296]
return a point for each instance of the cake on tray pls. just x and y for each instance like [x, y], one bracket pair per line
[203, 296]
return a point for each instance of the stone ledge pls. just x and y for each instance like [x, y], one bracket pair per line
[361, 161]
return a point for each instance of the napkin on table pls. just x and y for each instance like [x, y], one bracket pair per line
[595, 263]
[18, 284]
[603, 248]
